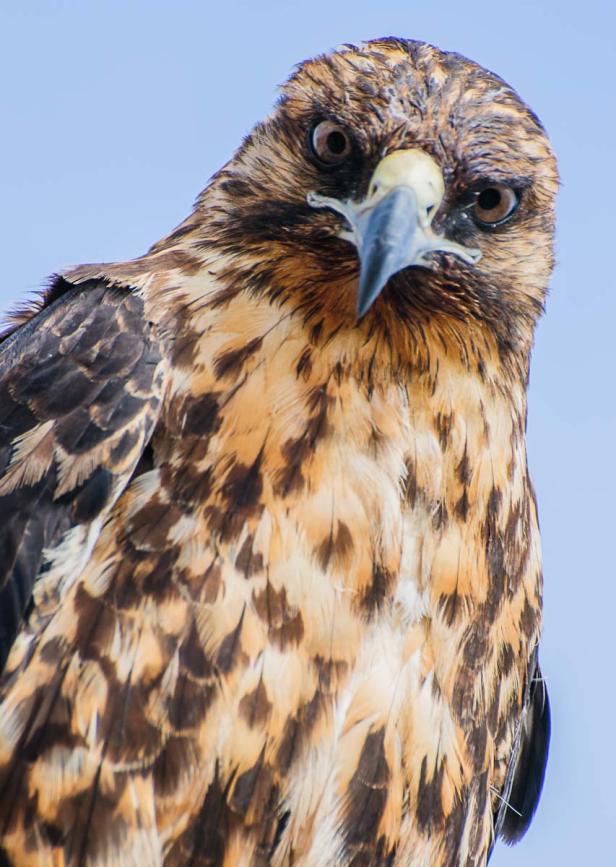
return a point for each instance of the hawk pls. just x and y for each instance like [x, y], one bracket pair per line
[271, 574]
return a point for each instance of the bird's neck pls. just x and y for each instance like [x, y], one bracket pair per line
[361, 454]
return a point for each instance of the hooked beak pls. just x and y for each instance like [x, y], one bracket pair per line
[391, 228]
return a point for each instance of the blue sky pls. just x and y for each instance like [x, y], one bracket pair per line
[114, 115]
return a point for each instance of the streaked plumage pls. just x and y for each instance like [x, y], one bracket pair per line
[285, 560]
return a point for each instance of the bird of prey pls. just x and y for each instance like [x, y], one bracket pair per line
[271, 573]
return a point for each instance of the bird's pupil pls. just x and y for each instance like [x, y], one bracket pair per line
[489, 199]
[336, 142]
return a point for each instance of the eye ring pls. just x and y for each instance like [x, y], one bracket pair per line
[330, 143]
[494, 205]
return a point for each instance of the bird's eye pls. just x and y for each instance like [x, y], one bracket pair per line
[494, 204]
[330, 143]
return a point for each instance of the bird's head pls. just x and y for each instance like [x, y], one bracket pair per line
[394, 184]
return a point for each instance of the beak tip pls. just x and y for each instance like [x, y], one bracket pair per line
[367, 292]
[360, 312]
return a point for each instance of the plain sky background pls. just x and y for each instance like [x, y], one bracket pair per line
[114, 114]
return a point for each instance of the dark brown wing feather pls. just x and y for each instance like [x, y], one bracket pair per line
[79, 394]
[522, 791]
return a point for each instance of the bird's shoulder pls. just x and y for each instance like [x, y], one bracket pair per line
[80, 389]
